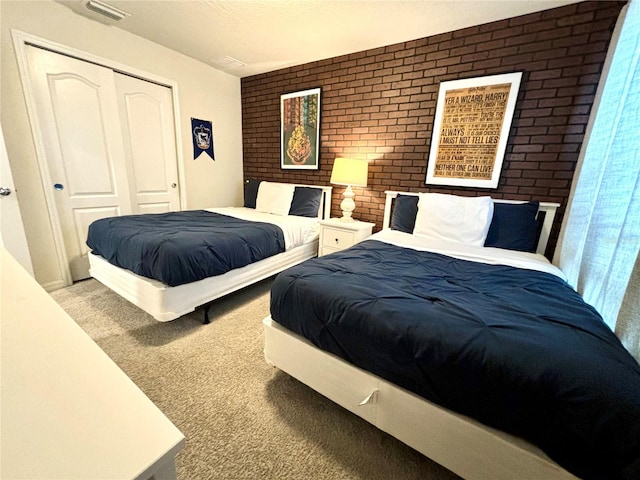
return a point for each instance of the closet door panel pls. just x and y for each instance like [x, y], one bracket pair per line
[85, 169]
[148, 131]
[76, 103]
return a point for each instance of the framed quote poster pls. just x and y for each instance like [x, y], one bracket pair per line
[300, 129]
[470, 131]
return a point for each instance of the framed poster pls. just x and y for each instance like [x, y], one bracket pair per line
[470, 131]
[300, 129]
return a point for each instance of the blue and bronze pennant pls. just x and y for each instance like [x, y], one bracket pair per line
[202, 132]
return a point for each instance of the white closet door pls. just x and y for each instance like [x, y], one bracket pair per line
[148, 132]
[12, 235]
[79, 122]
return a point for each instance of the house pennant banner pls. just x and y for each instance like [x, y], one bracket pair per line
[202, 132]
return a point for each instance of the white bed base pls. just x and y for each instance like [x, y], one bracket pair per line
[549, 209]
[165, 303]
[459, 443]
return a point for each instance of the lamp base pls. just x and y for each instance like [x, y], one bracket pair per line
[347, 205]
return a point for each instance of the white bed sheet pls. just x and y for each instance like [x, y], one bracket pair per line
[490, 255]
[296, 230]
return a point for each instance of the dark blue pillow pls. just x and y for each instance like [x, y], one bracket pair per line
[306, 202]
[514, 227]
[251, 192]
[405, 209]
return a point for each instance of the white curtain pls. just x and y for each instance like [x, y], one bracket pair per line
[628, 326]
[600, 237]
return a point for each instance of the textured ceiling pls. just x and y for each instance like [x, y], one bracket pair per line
[266, 35]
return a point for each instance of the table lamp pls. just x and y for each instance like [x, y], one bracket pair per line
[349, 172]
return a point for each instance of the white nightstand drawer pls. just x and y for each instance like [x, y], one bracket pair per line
[336, 235]
[339, 239]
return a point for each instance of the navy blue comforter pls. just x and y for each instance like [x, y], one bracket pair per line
[516, 349]
[182, 247]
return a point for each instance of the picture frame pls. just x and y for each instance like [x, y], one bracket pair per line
[470, 130]
[300, 129]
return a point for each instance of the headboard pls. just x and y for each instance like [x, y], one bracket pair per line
[548, 209]
[324, 212]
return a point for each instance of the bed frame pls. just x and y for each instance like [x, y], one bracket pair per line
[459, 443]
[167, 303]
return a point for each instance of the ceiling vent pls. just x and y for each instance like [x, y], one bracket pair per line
[228, 62]
[107, 10]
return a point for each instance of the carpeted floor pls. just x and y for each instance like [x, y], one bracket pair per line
[242, 419]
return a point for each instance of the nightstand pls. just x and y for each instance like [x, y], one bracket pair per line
[336, 235]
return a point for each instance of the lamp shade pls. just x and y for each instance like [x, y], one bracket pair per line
[349, 171]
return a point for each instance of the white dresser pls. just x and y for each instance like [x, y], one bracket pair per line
[336, 235]
[68, 411]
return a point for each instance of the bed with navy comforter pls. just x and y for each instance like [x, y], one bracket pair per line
[169, 264]
[509, 345]
[177, 248]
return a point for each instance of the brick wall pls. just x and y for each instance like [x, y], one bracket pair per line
[379, 105]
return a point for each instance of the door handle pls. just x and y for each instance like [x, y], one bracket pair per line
[5, 191]
[174, 185]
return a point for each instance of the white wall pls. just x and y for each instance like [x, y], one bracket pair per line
[204, 93]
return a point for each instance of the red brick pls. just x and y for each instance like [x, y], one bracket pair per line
[380, 104]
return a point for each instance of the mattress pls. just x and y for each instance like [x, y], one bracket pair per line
[495, 335]
[166, 303]
[177, 248]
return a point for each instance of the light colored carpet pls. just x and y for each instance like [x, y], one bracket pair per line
[242, 419]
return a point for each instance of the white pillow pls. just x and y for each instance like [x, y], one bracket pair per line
[453, 218]
[274, 198]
